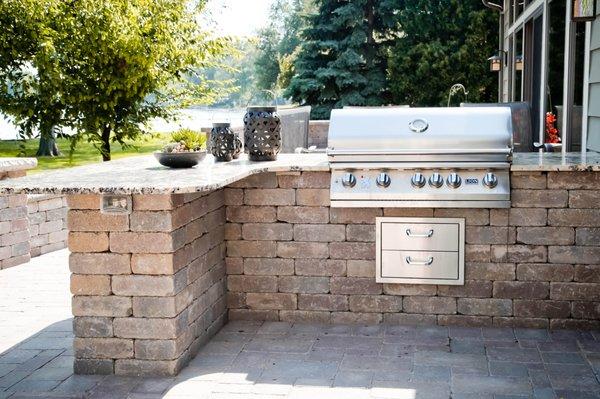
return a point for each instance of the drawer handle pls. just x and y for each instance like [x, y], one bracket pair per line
[426, 235]
[419, 262]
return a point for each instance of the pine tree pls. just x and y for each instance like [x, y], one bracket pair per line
[342, 59]
[443, 42]
[278, 42]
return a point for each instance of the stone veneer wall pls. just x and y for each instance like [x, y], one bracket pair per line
[149, 287]
[318, 131]
[47, 216]
[31, 225]
[292, 258]
[14, 226]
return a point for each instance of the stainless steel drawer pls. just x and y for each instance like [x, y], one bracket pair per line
[419, 236]
[419, 265]
[420, 250]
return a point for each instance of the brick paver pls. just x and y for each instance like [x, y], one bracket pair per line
[283, 360]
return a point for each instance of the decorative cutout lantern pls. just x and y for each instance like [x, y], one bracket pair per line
[224, 143]
[262, 133]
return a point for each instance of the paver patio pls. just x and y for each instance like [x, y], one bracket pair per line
[276, 360]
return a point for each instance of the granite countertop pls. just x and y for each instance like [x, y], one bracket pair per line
[13, 164]
[555, 162]
[143, 174]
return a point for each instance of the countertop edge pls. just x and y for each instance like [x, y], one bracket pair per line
[555, 168]
[136, 175]
[14, 164]
[16, 188]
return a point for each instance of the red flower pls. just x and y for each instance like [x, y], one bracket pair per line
[551, 130]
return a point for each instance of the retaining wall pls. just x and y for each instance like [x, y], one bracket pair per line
[47, 216]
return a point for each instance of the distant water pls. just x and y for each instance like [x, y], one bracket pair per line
[197, 118]
[192, 118]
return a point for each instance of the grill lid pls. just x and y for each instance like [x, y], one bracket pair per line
[475, 134]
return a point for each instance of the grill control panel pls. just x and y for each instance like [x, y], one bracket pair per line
[476, 188]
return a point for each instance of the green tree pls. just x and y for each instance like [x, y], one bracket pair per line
[239, 72]
[117, 64]
[278, 43]
[266, 65]
[28, 73]
[443, 42]
[343, 58]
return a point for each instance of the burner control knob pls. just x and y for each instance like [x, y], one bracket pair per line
[454, 180]
[490, 180]
[436, 180]
[383, 180]
[418, 180]
[348, 180]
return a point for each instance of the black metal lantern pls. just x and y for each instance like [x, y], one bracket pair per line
[262, 133]
[224, 143]
[583, 10]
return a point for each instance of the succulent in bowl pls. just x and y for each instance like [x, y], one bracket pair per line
[186, 150]
[186, 140]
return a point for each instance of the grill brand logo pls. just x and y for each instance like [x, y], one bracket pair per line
[419, 125]
[471, 181]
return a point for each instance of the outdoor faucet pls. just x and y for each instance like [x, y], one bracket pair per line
[455, 89]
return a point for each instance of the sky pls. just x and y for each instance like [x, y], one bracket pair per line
[239, 17]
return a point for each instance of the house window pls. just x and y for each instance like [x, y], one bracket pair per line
[536, 35]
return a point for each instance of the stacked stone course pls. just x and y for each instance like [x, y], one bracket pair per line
[317, 133]
[291, 257]
[149, 287]
[14, 226]
[47, 216]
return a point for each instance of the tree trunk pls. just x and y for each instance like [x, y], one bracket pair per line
[106, 143]
[48, 147]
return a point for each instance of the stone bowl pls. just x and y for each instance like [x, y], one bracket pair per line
[179, 160]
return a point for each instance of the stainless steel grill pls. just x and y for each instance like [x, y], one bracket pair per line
[420, 157]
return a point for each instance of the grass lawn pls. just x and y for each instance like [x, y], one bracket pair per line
[85, 153]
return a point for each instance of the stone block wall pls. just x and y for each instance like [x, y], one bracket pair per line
[14, 226]
[148, 287]
[47, 216]
[317, 133]
[14, 231]
[31, 225]
[291, 257]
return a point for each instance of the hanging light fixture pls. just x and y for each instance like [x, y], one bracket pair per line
[496, 62]
[519, 63]
[583, 10]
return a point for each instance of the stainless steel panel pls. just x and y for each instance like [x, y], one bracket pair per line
[420, 130]
[419, 165]
[420, 204]
[401, 189]
[420, 264]
[521, 120]
[419, 236]
[385, 156]
[420, 158]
